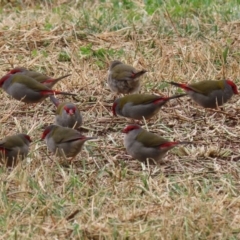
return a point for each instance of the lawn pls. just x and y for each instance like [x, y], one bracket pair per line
[106, 194]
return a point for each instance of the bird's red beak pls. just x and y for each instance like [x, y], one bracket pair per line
[71, 112]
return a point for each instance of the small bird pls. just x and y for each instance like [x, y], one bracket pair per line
[26, 89]
[39, 77]
[14, 148]
[137, 106]
[67, 114]
[143, 145]
[209, 94]
[64, 141]
[123, 78]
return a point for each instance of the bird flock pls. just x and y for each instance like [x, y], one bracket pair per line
[63, 137]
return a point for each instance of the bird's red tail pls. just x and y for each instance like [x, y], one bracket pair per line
[181, 85]
[172, 144]
[169, 144]
[51, 92]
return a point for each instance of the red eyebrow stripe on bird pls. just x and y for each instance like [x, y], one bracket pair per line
[13, 71]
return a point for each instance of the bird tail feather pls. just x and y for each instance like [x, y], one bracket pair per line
[55, 80]
[177, 96]
[173, 144]
[64, 93]
[181, 85]
[54, 100]
[138, 74]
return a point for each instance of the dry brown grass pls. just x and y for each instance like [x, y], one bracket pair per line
[105, 194]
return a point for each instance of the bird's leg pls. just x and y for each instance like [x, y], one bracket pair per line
[218, 108]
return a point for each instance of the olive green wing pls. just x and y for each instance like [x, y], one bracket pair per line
[29, 82]
[206, 87]
[62, 135]
[10, 142]
[137, 99]
[149, 139]
[37, 76]
[122, 71]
